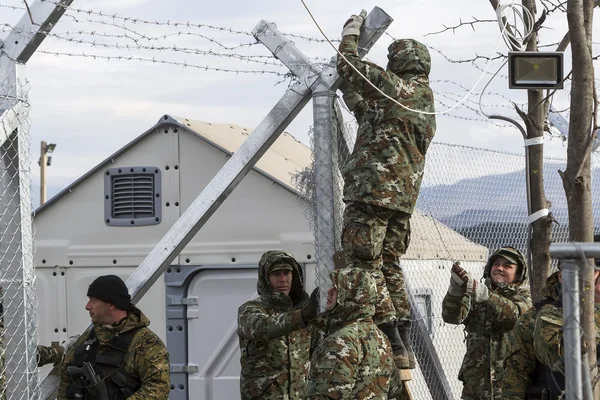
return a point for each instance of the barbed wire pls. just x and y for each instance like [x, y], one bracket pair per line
[463, 87]
[71, 12]
[266, 60]
[69, 37]
[471, 104]
[166, 62]
[551, 7]
[142, 36]
[137, 37]
[14, 8]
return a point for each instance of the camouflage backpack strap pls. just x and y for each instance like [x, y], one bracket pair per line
[120, 343]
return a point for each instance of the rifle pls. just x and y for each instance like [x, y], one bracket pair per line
[92, 382]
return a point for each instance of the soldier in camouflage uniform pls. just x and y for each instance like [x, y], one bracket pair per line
[354, 361]
[488, 311]
[548, 341]
[383, 175]
[524, 375]
[273, 331]
[123, 349]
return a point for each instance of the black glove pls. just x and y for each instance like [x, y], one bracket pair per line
[311, 309]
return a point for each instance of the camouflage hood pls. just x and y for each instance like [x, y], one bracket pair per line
[356, 297]
[275, 299]
[514, 256]
[553, 287]
[408, 56]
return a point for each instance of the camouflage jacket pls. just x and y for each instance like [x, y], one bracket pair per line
[548, 341]
[147, 358]
[386, 166]
[355, 360]
[520, 362]
[274, 340]
[487, 326]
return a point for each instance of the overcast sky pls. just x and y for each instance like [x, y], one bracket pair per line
[92, 107]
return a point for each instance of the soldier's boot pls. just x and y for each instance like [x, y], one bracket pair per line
[404, 331]
[390, 329]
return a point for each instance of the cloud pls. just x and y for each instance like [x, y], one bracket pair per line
[92, 107]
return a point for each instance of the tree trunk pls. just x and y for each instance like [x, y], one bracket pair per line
[577, 176]
[541, 229]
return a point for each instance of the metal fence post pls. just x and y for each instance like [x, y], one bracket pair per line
[571, 329]
[325, 235]
[19, 338]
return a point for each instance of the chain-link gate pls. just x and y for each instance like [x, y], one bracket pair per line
[19, 376]
[472, 202]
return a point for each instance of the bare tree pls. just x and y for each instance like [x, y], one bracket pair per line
[577, 176]
[534, 120]
[582, 127]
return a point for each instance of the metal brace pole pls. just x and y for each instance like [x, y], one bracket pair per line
[570, 253]
[560, 123]
[325, 235]
[571, 329]
[436, 381]
[16, 261]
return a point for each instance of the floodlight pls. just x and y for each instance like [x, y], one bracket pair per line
[535, 70]
[49, 161]
[50, 147]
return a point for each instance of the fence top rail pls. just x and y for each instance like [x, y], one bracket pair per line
[575, 250]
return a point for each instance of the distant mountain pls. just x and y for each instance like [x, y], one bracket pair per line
[495, 200]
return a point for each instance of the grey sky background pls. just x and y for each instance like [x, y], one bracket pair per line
[92, 107]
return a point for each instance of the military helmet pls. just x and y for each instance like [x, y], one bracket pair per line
[513, 256]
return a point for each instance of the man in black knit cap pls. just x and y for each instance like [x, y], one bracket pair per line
[120, 352]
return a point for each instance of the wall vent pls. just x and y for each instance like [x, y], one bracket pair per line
[132, 196]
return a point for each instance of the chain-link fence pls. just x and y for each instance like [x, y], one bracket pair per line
[18, 340]
[472, 202]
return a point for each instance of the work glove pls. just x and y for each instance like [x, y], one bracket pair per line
[311, 309]
[457, 283]
[350, 97]
[473, 288]
[352, 26]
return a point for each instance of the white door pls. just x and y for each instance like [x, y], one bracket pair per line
[212, 331]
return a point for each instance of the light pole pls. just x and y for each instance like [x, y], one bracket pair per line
[44, 161]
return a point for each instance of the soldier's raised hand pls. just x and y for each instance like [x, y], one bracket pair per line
[457, 280]
[311, 309]
[352, 26]
[470, 285]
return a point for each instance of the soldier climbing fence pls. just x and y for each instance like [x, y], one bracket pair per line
[472, 202]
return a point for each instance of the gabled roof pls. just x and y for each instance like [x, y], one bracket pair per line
[430, 240]
[284, 158]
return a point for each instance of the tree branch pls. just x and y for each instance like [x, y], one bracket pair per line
[461, 24]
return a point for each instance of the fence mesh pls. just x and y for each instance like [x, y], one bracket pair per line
[17, 276]
[472, 202]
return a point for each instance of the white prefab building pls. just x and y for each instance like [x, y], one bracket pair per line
[107, 221]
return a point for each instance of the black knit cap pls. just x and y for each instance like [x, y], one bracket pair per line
[111, 289]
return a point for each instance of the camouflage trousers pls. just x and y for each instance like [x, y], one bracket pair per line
[374, 238]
